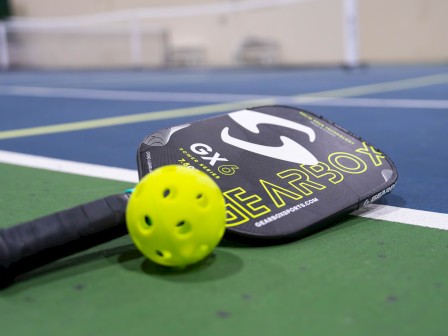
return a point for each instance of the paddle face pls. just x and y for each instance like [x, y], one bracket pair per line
[284, 172]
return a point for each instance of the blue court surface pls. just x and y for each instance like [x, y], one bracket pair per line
[100, 117]
[369, 275]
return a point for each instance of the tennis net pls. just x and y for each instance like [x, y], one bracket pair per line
[224, 33]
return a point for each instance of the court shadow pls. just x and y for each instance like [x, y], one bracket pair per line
[235, 241]
[392, 199]
[62, 268]
[219, 265]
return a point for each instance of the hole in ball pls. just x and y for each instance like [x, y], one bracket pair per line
[183, 227]
[166, 193]
[202, 200]
[148, 221]
[202, 250]
[165, 254]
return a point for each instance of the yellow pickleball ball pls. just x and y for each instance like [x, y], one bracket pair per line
[176, 215]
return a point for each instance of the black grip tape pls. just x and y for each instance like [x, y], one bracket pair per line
[40, 241]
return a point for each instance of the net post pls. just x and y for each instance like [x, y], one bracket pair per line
[135, 42]
[164, 48]
[4, 47]
[351, 33]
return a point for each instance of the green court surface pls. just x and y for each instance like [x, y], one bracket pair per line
[360, 277]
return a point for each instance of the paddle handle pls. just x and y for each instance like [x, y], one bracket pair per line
[31, 244]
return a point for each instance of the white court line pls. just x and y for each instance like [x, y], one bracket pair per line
[372, 211]
[123, 95]
[381, 103]
[390, 213]
[71, 167]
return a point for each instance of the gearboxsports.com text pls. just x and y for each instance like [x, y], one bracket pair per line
[286, 212]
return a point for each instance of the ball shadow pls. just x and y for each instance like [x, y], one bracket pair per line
[219, 265]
